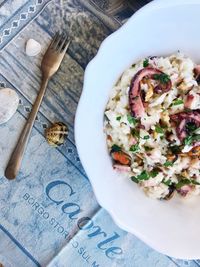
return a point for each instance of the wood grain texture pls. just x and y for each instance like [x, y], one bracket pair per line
[26, 237]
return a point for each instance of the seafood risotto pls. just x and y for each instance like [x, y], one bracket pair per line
[152, 125]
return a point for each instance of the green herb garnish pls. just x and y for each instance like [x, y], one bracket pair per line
[191, 127]
[168, 163]
[135, 133]
[190, 138]
[195, 182]
[146, 63]
[163, 78]
[159, 129]
[177, 102]
[134, 148]
[147, 148]
[186, 182]
[168, 182]
[143, 176]
[182, 183]
[175, 149]
[131, 119]
[115, 148]
[118, 118]
[187, 140]
[146, 137]
[196, 137]
[154, 173]
[134, 179]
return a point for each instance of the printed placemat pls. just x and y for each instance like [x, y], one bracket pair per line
[49, 214]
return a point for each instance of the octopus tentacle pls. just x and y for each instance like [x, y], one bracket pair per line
[135, 100]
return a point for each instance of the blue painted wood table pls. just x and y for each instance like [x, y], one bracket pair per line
[37, 227]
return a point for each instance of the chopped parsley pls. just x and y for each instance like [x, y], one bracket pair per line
[115, 148]
[168, 163]
[135, 133]
[118, 118]
[195, 182]
[154, 173]
[182, 183]
[187, 140]
[146, 63]
[159, 129]
[186, 182]
[147, 148]
[175, 149]
[190, 138]
[163, 78]
[144, 175]
[177, 102]
[131, 119]
[134, 148]
[134, 179]
[168, 182]
[191, 127]
[196, 137]
[146, 137]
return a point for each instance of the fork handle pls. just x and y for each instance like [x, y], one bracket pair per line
[14, 163]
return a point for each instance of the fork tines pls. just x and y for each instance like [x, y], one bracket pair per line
[60, 43]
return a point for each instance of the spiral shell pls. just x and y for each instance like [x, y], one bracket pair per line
[56, 134]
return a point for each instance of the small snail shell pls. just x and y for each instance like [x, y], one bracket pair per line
[56, 134]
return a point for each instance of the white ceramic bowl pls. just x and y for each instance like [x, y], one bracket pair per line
[159, 28]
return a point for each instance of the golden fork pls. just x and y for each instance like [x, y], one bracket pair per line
[50, 64]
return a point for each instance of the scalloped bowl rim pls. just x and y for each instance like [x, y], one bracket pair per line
[79, 116]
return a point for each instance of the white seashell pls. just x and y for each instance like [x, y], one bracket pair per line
[33, 48]
[9, 101]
